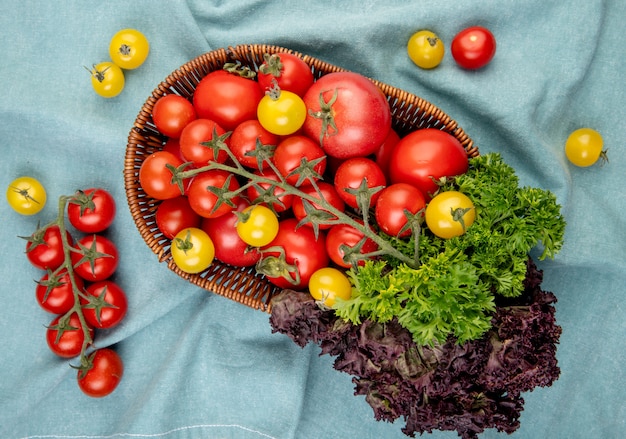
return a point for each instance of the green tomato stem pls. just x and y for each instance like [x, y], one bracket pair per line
[385, 247]
[67, 264]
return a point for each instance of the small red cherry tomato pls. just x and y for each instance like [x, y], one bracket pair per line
[473, 48]
[107, 304]
[103, 374]
[91, 210]
[65, 336]
[171, 113]
[350, 175]
[95, 258]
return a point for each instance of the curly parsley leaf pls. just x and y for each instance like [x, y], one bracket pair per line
[452, 292]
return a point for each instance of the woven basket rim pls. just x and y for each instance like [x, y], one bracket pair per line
[243, 285]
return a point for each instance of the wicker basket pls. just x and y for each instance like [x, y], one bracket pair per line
[243, 284]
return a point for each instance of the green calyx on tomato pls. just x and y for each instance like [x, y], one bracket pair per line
[449, 214]
[276, 266]
[192, 250]
[69, 265]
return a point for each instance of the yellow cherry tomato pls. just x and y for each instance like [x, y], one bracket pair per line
[26, 195]
[257, 225]
[281, 112]
[449, 214]
[425, 49]
[328, 283]
[129, 48]
[583, 147]
[107, 79]
[193, 250]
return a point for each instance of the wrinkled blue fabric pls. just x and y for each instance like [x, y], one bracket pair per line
[200, 366]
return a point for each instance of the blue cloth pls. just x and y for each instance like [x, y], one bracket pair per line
[200, 366]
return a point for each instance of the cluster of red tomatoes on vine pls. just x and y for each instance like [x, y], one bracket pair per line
[77, 286]
[301, 177]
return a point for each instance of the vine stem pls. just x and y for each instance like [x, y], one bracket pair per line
[385, 247]
[67, 264]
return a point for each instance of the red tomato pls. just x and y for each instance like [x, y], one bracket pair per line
[229, 247]
[227, 98]
[289, 71]
[348, 114]
[288, 159]
[44, 248]
[107, 304]
[247, 139]
[350, 175]
[384, 152]
[198, 140]
[65, 336]
[156, 179]
[341, 235]
[103, 376]
[172, 146]
[96, 258]
[206, 203]
[55, 292]
[91, 210]
[268, 194]
[424, 155]
[473, 48]
[328, 193]
[302, 250]
[391, 206]
[171, 113]
[174, 215]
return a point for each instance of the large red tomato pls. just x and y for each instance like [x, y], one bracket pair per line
[302, 250]
[426, 155]
[227, 98]
[348, 114]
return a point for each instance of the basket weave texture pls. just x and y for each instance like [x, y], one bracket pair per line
[244, 285]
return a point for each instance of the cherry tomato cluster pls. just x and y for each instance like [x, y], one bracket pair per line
[303, 178]
[472, 48]
[77, 286]
[128, 50]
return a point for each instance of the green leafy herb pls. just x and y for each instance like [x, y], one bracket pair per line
[452, 292]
